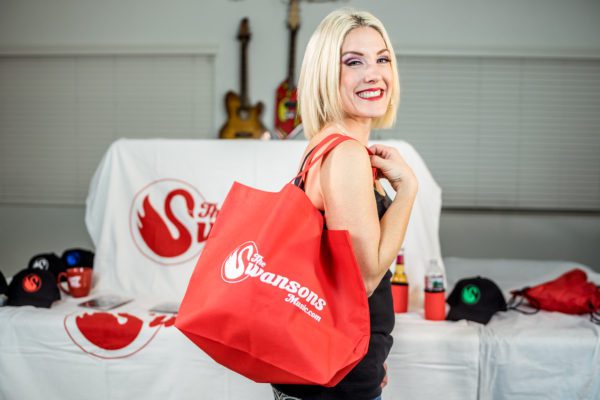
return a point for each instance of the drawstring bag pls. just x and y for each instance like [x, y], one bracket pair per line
[274, 296]
[570, 293]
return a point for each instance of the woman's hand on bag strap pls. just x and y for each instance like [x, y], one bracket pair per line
[391, 166]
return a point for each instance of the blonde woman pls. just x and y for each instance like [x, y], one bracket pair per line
[349, 84]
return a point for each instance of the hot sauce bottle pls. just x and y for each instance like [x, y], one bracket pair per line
[400, 286]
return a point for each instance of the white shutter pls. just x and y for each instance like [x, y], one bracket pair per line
[505, 132]
[59, 113]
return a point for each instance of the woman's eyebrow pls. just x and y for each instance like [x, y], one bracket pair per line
[358, 53]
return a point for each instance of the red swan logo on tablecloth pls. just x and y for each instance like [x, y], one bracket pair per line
[107, 335]
[155, 232]
[170, 220]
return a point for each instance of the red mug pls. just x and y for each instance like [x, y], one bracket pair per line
[79, 281]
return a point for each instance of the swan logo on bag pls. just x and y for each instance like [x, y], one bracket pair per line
[170, 220]
[245, 262]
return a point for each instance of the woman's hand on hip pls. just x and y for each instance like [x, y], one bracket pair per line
[384, 382]
[391, 165]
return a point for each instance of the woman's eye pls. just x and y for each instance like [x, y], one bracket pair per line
[382, 60]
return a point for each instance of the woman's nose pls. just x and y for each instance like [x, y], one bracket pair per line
[372, 75]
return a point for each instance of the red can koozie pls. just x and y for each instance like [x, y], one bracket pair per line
[435, 305]
[400, 297]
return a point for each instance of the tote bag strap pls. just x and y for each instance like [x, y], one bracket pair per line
[594, 313]
[331, 142]
[300, 178]
[517, 300]
[328, 140]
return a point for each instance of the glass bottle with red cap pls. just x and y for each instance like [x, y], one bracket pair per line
[400, 285]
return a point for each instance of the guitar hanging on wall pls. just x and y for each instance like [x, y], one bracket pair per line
[243, 119]
[287, 120]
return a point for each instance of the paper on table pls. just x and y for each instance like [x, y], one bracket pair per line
[106, 302]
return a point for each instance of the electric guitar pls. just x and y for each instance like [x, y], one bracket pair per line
[243, 119]
[286, 101]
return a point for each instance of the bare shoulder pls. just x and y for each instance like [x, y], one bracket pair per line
[347, 191]
[348, 159]
[348, 154]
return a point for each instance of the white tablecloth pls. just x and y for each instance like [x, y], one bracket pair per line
[139, 182]
[547, 355]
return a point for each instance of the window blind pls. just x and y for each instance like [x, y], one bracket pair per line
[505, 132]
[496, 132]
[59, 114]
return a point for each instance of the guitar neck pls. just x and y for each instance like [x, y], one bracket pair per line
[292, 58]
[243, 75]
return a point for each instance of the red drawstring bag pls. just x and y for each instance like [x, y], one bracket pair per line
[570, 293]
[275, 296]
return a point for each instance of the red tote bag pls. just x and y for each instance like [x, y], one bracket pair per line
[570, 293]
[275, 296]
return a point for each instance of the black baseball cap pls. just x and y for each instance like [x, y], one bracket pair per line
[33, 287]
[3, 289]
[475, 299]
[78, 258]
[48, 262]
[3, 284]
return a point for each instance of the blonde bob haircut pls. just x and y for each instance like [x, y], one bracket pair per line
[319, 82]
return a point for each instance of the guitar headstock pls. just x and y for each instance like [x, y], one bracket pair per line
[294, 15]
[244, 32]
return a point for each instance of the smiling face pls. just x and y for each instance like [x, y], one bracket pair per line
[365, 74]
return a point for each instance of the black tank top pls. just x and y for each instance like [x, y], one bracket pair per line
[363, 382]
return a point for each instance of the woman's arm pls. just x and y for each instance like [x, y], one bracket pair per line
[349, 201]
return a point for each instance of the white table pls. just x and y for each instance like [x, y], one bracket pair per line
[547, 355]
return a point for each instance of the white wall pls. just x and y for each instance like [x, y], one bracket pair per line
[29, 230]
[508, 26]
[522, 236]
[548, 27]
